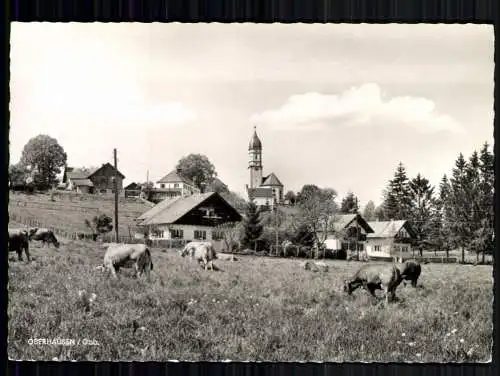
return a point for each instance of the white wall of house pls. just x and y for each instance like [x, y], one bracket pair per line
[261, 201]
[186, 189]
[386, 247]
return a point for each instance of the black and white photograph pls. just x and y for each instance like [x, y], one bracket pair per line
[251, 192]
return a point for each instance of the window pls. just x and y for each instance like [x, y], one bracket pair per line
[162, 185]
[177, 234]
[200, 235]
[217, 235]
[376, 248]
[405, 249]
[176, 185]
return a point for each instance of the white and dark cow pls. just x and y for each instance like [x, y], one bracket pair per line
[373, 277]
[202, 252]
[45, 235]
[137, 256]
[18, 241]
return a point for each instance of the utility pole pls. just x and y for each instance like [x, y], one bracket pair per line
[276, 224]
[115, 183]
[357, 228]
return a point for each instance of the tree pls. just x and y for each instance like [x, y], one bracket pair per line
[441, 229]
[198, 168]
[486, 186]
[369, 214]
[291, 197]
[317, 209]
[397, 202]
[217, 186]
[232, 235]
[18, 175]
[252, 227]
[45, 157]
[303, 236]
[424, 209]
[349, 204]
[101, 224]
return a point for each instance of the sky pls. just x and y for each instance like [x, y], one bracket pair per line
[336, 105]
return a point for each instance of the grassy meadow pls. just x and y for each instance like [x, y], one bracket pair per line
[252, 309]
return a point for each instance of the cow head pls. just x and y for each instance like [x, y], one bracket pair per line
[184, 252]
[31, 232]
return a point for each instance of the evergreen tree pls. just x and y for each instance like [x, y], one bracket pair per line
[421, 217]
[397, 198]
[442, 229]
[369, 213]
[460, 207]
[486, 188]
[349, 204]
[252, 226]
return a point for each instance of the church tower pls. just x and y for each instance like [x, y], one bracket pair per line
[255, 160]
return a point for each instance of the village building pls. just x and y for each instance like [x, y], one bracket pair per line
[197, 217]
[132, 190]
[265, 191]
[389, 239]
[174, 185]
[347, 232]
[95, 180]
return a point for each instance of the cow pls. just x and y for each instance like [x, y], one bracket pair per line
[410, 271]
[18, 240]
[373, 277]
[315, 266]
[202, 252]
[45, 235]
[119, 256]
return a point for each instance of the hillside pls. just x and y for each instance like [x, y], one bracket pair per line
[68, 211]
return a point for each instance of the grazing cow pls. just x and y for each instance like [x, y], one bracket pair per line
[203, 252]
[18, 240]
[45, 235]
[373, 277]
[119, 256]
[315, 266]
[410, 271]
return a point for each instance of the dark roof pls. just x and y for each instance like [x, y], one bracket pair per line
[84, 173]
[342, 221]
[172, 209]
[271, 180]
[255, 141]
[133, 186]
[175, 177]
[388, 229]
[107, 165]
[260, 192]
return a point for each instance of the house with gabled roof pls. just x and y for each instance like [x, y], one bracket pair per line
[390, 238]
[197, 217]
[174, 184]
[263, 190]
[347, 232]
[92, 180]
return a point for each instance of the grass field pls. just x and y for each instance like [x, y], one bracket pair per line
[71, 215]
[253, 309]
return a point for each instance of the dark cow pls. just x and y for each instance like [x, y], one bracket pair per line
[410, 271]
[18, 240]
[45, 235]
[373, 277]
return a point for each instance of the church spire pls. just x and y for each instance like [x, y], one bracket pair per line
[255, 143]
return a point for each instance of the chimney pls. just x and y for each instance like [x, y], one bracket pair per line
[178, 170]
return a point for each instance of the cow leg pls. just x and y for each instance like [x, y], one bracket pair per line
[27, 251]
[20, 255]
[414, 283]
[371, 289]
[114, 270]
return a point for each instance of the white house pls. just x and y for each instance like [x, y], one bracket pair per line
[346, 232]
[174, 184]
[390, 238]
[194, 217]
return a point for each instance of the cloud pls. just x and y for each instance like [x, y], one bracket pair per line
[359, 106]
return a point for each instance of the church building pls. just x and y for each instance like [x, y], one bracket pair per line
[264, 190]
